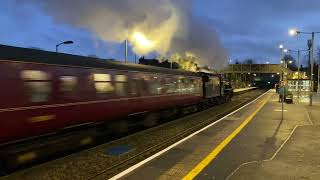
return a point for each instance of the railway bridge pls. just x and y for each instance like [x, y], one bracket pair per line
[247, 74]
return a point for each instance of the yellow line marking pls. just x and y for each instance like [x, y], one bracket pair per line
[36, 119]
[279, 110]
[213, 154]
[86, 141]
[23, 158]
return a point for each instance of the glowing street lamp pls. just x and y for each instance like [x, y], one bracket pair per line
[293, 32]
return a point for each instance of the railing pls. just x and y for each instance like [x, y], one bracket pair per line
[255, 68]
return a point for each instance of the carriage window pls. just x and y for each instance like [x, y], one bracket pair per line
[37, 84]
[215, 81]
[181, 85]
[170, 84]
[121, 85]
[121, 78]
[155, 86]
[133, 86]
[195, 86]
[198, 85]
[102, 77]
[104, 87]
[68, 83]
[103, 83]
[33, 75]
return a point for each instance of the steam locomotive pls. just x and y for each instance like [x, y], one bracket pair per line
[44, 92]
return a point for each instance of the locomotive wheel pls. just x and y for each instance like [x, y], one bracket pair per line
[119, 127]
[2, 169]
[223, 99]
[200, 107]
[150, 120]
[168, 113]
[218, 100]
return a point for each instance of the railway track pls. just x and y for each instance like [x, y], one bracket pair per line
[139, 145]
[178, 133]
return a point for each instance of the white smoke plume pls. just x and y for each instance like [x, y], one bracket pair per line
[162, 26]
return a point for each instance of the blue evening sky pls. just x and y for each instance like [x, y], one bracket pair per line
[247, 28]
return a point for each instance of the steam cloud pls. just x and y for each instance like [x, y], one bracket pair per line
[164, 26]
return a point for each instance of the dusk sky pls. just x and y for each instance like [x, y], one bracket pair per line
[245, 28]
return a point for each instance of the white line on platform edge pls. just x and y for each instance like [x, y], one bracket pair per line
[279, 110]
[134, 167]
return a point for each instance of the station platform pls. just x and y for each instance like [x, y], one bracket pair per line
[253, 142]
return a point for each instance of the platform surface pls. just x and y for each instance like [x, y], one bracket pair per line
[264, 148]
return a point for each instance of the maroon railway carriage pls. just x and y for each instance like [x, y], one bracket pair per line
[45, 92]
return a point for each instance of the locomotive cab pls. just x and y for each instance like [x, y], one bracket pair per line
[228, 90]
[215, 87]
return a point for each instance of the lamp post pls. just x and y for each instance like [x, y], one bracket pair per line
[298, 51]
[65, 42]
[318, 89]
[126, 50]
[282, 78]
[294, 32]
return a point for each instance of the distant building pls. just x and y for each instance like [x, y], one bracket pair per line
[299, 83]
[298, 75]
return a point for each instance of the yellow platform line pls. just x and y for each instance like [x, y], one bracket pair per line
[213, 154]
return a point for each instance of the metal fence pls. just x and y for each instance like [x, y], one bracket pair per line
[255, 68]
